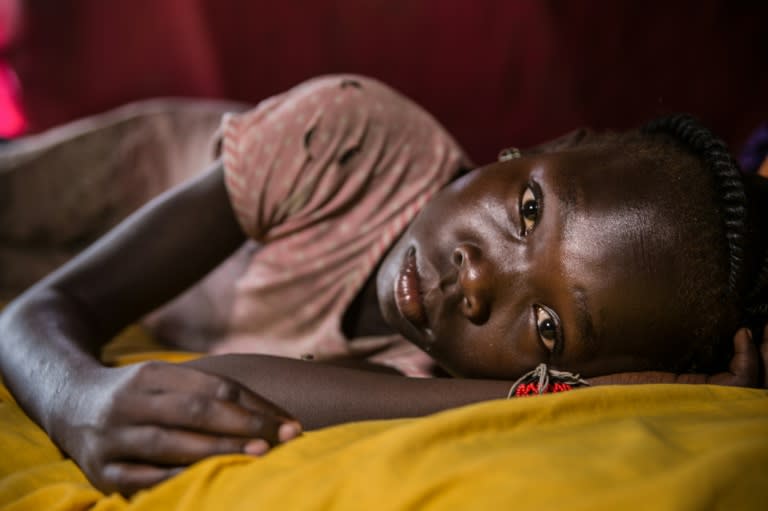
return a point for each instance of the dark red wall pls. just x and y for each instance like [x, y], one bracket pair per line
[496, 73]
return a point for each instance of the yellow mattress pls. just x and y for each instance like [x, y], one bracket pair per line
[637, 447]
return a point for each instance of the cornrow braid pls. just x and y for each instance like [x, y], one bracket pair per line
[690, 133]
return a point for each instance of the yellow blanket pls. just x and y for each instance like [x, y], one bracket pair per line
[642, 447]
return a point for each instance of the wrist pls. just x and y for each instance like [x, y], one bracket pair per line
[73, 401]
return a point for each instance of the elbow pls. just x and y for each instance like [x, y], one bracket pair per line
[42, 311]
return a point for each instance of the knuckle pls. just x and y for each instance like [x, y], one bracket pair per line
[226, 390]
[258, 423]
[141, 372]
[132, 379]
[155, 437]
[197, 408]
[147, 370]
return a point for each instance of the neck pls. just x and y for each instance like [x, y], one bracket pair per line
[363, 317]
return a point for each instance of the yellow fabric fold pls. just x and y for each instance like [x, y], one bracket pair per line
[636, 447]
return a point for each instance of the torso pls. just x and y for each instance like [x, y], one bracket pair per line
[325, 177]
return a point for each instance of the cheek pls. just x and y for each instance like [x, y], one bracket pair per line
[650, 334]
[453, 347]
[493, 350]
[631, 287]
[638, 329]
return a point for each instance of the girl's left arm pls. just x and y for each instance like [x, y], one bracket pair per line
[321, 395]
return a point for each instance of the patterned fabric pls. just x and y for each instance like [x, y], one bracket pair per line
[325, 177]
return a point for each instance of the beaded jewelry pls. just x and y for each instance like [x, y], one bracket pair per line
[545, 380]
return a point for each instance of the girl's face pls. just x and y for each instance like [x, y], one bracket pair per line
[563, 258]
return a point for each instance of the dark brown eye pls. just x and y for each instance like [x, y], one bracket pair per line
[547, 326]
[530, 207]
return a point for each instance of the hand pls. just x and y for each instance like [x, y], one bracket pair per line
[132, 427]
[745, 369]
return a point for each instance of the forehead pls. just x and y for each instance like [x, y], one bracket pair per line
[618, 246]
[607, 173]
[610, 194]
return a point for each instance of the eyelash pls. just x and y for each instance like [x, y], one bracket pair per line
[530, 208]
[547, 319]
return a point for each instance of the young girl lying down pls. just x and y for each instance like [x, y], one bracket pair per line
[623, 258]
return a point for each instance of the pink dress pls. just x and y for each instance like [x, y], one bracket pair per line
[325, 177]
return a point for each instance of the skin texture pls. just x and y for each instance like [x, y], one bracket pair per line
[349, 394]
[598, 240]
[131, 427]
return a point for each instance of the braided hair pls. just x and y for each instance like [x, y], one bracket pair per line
[747, 285]
[720, 257]
[713, 152]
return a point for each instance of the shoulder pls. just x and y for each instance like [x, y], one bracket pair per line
[320, 147]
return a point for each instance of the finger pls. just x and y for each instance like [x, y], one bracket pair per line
[254, 401]
[200, 413]
[128, 478]
[744, 364]
[163, 446]
[161, 377]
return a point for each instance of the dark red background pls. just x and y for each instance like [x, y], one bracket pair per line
[496, 73]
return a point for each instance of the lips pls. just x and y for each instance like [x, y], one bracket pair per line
[408, 292]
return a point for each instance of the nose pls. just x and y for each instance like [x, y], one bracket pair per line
[474, 281]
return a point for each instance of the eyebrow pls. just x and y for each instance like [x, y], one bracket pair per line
[584, 322]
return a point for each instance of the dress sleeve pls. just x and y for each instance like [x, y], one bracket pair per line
[308, 154]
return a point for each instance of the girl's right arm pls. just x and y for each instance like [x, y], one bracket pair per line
[157, 416]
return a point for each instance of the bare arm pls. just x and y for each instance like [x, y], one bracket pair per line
[61, 323]
[321, 395]
[158, 415]
[51, 335]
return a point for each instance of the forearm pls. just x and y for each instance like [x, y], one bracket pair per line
[45, 346]
[321, 395]
[50, 337]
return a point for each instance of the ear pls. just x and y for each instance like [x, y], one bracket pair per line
[570, 139]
